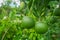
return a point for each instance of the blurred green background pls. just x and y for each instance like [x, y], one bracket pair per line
[12, 13]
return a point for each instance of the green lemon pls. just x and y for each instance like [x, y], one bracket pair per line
[27, 22]
[57, 12]
[22, 5]
[41, 28]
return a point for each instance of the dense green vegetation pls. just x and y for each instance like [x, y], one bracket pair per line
[32, 20]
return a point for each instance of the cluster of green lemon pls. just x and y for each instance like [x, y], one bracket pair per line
[28, 22]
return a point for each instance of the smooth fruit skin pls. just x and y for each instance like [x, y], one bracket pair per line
[53, 19]
[22, 5]
[27, 22]
[57, 12]
[41, 28]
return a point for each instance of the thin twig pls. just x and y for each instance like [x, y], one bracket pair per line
[4, 34]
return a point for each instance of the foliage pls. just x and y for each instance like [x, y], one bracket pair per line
[40, 10]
